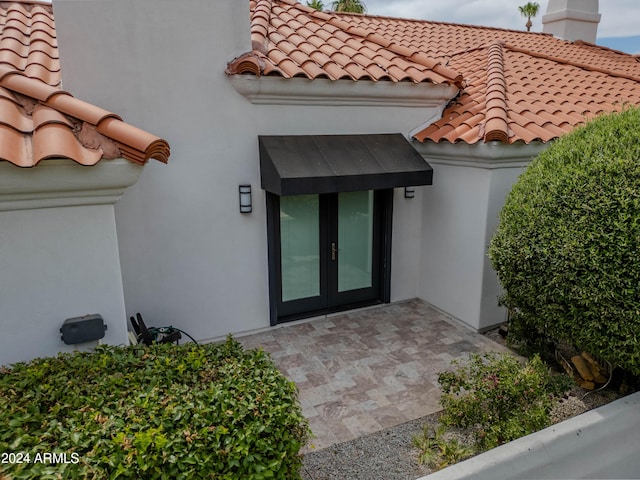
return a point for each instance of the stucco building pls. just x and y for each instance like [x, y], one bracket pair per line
[377, 153]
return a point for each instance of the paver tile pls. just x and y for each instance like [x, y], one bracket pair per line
[369, 369]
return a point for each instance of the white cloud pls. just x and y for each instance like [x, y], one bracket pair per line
[620, 18]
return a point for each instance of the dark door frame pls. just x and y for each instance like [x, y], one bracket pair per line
[345, 300]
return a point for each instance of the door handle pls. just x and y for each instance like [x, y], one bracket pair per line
[334, 250]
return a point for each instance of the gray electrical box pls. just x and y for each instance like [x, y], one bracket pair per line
[82, 329]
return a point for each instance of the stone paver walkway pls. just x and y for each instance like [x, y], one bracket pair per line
[363, 371]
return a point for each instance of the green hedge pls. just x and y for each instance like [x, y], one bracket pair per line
[163, 412]
[567, 250]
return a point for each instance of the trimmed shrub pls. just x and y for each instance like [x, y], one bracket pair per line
[159, 412]
[567, 250]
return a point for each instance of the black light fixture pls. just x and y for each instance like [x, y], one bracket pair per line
[245, 198]
[83, 329]
[409, 192]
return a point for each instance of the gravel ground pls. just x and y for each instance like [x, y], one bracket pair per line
[390, 455]
[385, 455]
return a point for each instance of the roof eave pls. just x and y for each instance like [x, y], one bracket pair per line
[494, 154]
[59, 182]
[303, 91]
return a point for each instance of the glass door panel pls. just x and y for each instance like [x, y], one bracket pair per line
[327, 251]
[300, 246]
[355, 240]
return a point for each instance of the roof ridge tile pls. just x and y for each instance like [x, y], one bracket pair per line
[248, 62]
[74, 107]
[496, 126]
[125, 134]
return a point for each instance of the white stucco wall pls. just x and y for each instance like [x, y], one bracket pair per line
[407, 237]
[57, 263]
[189, 258]
[460, 214]
[455, 210]
[502, 177]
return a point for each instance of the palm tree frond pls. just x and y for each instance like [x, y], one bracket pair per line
[529, 10]
[316, 4]
[352, 6]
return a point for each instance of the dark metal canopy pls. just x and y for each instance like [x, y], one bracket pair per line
[298, 165]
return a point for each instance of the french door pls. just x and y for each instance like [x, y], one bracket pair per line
[328, 252]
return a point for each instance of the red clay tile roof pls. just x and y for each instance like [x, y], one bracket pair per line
[38, 120]
[516, 86]
[518, 95]
[293, 40]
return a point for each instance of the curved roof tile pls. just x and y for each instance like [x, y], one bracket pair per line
[286, 36]
[55, 140]
[39, 120]
[518, 86]
[496, 125]
[13, 116]
[542, 88]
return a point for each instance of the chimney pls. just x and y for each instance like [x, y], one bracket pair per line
[572, 19]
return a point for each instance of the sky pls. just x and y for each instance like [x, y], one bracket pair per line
[619, 27]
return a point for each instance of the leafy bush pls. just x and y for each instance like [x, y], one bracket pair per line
[566, 249]
[159, 412]
[498, 398]
[437, 451]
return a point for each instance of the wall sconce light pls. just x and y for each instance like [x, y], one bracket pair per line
[245, 198]
[409, 192]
